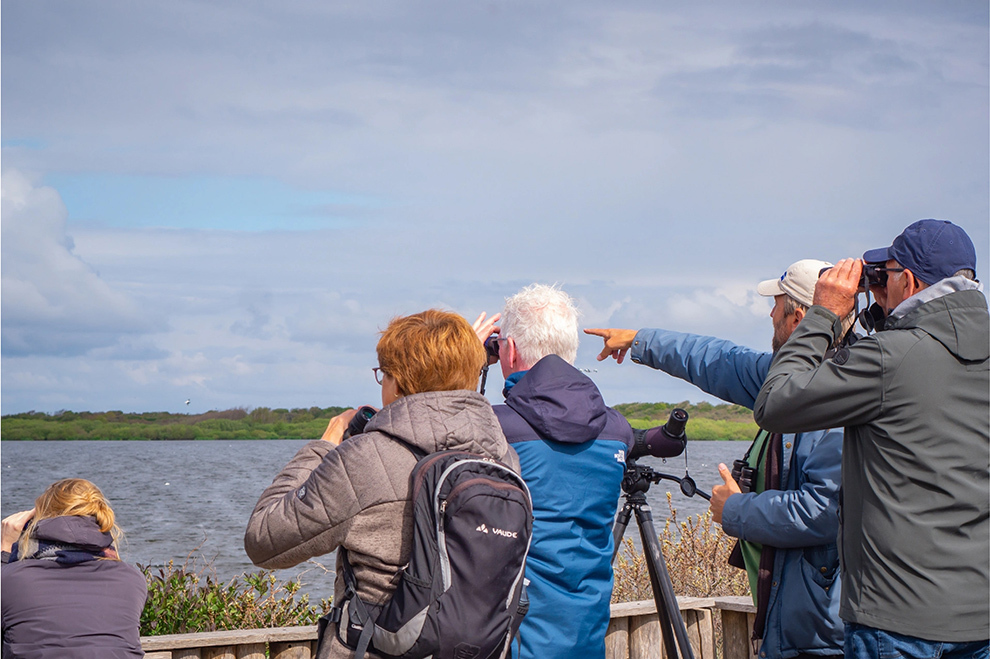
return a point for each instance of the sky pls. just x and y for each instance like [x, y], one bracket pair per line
[225, 202]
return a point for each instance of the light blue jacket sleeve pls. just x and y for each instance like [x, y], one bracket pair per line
[801, 517]
[717, 367]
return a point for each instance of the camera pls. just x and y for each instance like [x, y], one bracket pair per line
[743, 475]
[664, 441]
[359, 421]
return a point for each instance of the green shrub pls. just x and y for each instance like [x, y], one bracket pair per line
[182, 600]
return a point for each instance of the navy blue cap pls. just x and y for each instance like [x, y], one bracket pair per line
[931, 249]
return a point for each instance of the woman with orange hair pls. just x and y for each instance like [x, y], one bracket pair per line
[65, 592]
[355, 494]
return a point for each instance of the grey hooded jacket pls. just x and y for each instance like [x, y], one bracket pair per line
[915, 403]
[357, 496]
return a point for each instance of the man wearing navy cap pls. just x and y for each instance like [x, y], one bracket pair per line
[915, 402]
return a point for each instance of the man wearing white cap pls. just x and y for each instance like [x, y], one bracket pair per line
[786, 514]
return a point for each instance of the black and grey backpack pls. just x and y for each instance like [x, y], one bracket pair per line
[462, 594]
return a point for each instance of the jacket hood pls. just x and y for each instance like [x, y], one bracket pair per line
[73, 530]
[559, 401]
[443, 420]
[959, 321]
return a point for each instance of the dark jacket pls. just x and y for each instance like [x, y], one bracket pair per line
[572, 451]
[915, 400]
[800, 520]
[356, 495]
[84, 610]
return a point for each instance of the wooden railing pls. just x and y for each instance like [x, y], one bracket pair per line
[633, 633]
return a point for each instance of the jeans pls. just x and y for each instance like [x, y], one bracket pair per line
[864, 642]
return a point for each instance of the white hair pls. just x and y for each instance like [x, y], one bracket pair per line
[542, 320]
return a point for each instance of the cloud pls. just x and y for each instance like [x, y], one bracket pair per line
[53, 302]
[280, 181]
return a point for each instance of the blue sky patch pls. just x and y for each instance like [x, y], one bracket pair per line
[206, 202]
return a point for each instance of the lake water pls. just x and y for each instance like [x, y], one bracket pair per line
[176, 499]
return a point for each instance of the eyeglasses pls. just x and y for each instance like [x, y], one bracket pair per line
[379, 374]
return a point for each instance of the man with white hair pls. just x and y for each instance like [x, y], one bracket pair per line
[572, 450]
[785, 515]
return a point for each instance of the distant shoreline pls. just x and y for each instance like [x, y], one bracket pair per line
[707, 422]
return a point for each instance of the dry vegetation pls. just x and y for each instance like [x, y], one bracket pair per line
[696, 552]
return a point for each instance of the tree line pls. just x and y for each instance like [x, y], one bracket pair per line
[707, 421]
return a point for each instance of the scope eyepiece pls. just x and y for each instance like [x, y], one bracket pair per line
[666, 441]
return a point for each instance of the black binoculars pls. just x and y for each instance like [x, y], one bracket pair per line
[743, 475]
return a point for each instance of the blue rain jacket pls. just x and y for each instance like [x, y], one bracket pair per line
[801, 519]
[572, 450]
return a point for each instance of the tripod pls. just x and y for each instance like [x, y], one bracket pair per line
[636, 483]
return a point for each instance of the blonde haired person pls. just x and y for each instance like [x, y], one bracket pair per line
[65, 592]
[355, 494]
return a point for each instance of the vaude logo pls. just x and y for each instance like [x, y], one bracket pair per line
[504, 534]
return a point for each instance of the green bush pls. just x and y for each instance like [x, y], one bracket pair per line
[182, 600]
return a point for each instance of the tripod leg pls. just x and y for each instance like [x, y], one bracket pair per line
[619, 528]
[671, 623]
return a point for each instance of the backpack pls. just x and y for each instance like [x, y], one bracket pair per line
[462, 594]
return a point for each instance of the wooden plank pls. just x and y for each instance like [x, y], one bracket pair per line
[220, 652]
[232, 637]
[251, 651]
[646, 607]
[742, 603]
[617, 639]
[735, 635]
[186, 653]
[645, 638]
[291, 650]
[706, 629]
[164, 654]
[693, 631]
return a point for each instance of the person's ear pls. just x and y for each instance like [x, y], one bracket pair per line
[510, 352]
[914, 284]
[796, 318]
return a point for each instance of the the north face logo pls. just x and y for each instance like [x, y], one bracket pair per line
[482, 528]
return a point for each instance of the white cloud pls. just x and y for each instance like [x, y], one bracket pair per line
[53, 302]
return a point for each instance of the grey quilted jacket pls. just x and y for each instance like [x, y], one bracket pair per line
[357, 495]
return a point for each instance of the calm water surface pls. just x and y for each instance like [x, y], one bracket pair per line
[178, 499]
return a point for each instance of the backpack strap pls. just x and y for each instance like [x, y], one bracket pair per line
[357, 610]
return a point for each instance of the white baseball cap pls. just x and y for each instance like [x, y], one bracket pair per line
[797, 282]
